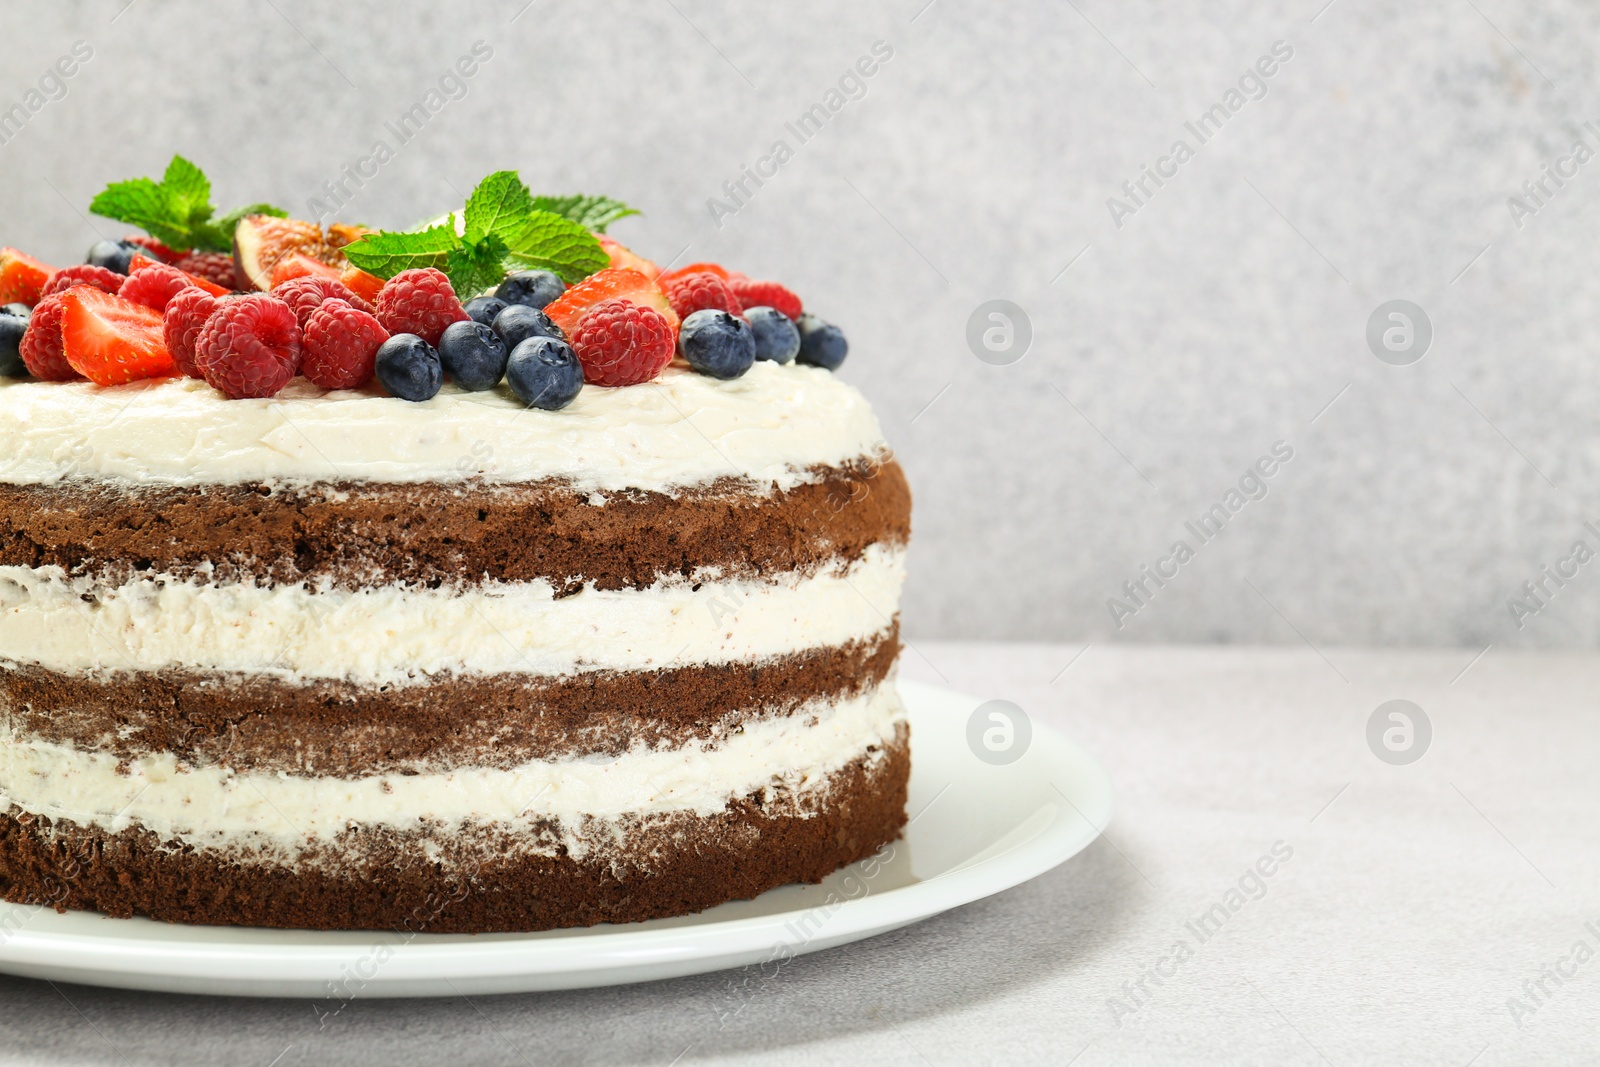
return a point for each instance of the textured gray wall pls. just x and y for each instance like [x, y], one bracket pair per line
[1222, 316]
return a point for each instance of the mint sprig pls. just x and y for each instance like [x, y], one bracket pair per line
[503, 227]
[176, 210]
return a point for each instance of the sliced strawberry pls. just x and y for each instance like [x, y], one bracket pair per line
[608, 284]
[21, 277]
[694, 268]
[139, 263]
[366, 286]
[298, 265]
[623, 259]
[112, 341]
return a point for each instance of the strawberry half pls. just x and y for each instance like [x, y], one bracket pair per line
[21, 277]
[139, 263]
[623, 258]
[298, 265]
[608, 284]
[366, 286]
[112, 341]
[694, 268]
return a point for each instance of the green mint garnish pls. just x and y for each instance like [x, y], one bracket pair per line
[176, 210]
[503, 227]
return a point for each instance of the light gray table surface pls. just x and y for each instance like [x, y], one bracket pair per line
[1417, 902]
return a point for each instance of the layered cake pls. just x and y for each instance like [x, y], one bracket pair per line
[492, 659]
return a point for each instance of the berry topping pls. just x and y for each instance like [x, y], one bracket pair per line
[107, 281]
[473, 355]
[22, 277]
[306, 293]
[608, 284]
[623, 343]
[765, 294]
[544, 373]
[155, 285]
[260, 241]
[419, 301]
[110, 340]
[535, 288]
[822, 344]
[777, 338]
[699, 291]
[13, 324]
[249, 347]
[623, 259]
[717, 343]
[152, 248]
[141, 262]
[185, 316]
[518, 322]
[409, 368]
[484, 309]
[214, 267]
[114, 255]
[366, 286]
[300, 265]
[340, 343]
[695, 268]
[41, 343]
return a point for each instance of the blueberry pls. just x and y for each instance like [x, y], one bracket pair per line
[114, 255]
[409, 367]
[717, 343]
[545, 373]
[777, 338]
[13, 323]
[473, 355]
[484, 308]
[531, 288]
[518, 322]
[822, 344]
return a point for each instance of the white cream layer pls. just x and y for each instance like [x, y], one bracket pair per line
[682, 429]
[395, 635]
[212, 807]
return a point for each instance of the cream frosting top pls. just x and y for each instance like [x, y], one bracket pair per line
[770, 426]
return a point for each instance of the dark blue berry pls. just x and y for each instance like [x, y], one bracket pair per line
[409, 367]
[777, 338]
[717, 343]
[531, 288]
[545, 373]
[13, 322]
[484, 308]
[518, 322]
[822, 344]
[473, 355]
[114, 255]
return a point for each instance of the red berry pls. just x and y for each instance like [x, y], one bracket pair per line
[158, 251]
[419, 301]
[298, 265]
[102, 278]
[139, 263]
[366, 286]
[22, 277]
[306, 293]
[695, 268]
[609, 284]
[340, 342]
[111, 340]
[623, 343]
[698, 291]
[765, 294]
[41, 343]
[214, 267]
[249, 347]
[154, 286]
[181, 323]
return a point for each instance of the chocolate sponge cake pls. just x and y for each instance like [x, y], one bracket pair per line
[331, 660]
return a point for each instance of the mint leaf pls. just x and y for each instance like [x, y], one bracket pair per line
[387, 254]
[591, 212]
[176, 210]
[499, 206]
[548, 241]
[141, 202]
[190, 189]
[476, 268]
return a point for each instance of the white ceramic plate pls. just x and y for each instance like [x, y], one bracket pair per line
[977, 829]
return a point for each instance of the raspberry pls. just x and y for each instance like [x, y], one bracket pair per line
[157, 250]
[107, 281]
[306, 293]
[181, 323]
[41, 349]
[214, 267]
[700, 291]
[340, 343]
[249, 347]
[765, 294]
[623, 343]
[154, 286]
[419, 301]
